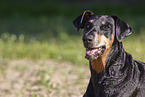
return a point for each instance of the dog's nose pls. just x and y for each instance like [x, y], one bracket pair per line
[87, 39]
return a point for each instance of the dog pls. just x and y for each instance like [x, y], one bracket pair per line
[114, 73]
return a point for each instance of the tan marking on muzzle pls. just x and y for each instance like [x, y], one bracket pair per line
[97, 39]
[99, 64]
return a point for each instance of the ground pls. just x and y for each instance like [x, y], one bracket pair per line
[42, 78]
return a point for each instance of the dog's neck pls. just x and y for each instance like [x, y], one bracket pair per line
[116, 54]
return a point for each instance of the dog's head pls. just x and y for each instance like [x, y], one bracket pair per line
[100, 31]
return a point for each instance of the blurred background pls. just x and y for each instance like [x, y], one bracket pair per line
[49, 18]
[51, 22]
[37, 30]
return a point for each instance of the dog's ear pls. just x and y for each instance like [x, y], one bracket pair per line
[80, 21]
[122, 29]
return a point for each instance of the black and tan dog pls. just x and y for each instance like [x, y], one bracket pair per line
[114, 73]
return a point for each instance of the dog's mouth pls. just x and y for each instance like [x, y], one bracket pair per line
[94, 52]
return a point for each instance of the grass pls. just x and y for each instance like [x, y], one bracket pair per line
[67, 49]
[26, 37]
[62, 50]
[134, 45]
[52, 38]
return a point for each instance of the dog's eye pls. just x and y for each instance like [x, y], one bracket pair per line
[105, 27]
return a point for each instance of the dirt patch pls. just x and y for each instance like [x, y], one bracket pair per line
[43, 78]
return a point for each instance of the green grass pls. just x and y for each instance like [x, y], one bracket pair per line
[62, 50]
[27, 37]
[67, 49]
[135, 45]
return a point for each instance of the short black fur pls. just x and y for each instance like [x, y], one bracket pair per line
[122, 76]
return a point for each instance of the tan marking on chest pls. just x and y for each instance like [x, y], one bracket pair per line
[99, 64]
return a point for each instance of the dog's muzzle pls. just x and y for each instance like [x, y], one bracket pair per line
[94, 53]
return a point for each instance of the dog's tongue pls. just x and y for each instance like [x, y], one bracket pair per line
[92, 54]
[91, 51]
